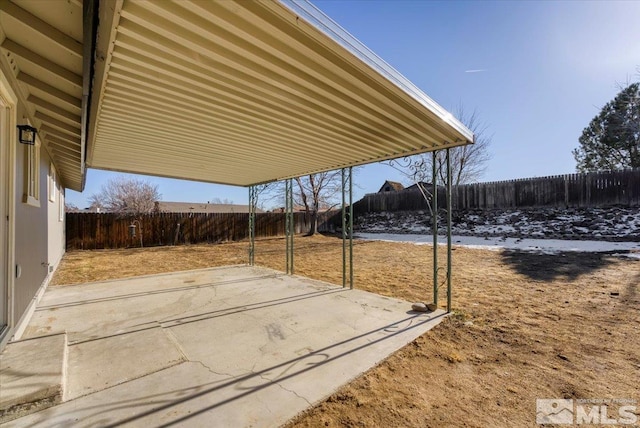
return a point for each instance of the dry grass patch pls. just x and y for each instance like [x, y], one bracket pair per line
[526, 326]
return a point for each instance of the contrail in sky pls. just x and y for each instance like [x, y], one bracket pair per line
[476, 71]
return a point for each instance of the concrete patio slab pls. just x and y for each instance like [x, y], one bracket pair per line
[259, 347]
[98, 364]
[121, 306]
[187, 395]
[32, 375]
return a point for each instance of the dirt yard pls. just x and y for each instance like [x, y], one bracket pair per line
[525, 326]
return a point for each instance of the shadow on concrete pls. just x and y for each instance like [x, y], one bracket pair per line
[253, 382]
[201, 316]
[566, 264]
[246, 308]
[127, 296]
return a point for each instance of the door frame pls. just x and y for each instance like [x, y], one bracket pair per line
[8, 141]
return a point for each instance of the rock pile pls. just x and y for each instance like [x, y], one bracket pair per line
[607, 224]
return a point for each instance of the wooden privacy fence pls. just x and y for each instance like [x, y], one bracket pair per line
[90, 231]
[600, 189]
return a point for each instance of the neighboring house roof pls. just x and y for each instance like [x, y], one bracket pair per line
[296, 208]
[199, 207]
[423, 184]
[93, 210]
[391, 186]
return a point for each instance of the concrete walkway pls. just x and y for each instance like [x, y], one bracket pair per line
[235, 346]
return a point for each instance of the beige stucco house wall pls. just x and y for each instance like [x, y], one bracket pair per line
[33, 235]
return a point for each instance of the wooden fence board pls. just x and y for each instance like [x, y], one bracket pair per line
[600, 189]
[90, 231]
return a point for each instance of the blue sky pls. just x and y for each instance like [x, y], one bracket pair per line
[547, 66]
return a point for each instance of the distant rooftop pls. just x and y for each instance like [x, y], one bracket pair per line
[391, 186]
[422, 184]
[199, 207]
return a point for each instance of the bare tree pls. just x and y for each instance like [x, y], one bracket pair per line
[224, 201]
[468, 163]
[126, 195]
[264, 193]
[71, 208]
[318, 192]
[96, 206]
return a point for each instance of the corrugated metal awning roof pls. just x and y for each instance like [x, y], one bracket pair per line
[248, 92]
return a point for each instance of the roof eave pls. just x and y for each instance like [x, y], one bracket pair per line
[438, 121]
[90, 26]
[331, 29]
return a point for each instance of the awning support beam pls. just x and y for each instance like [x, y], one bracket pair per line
[253, 201]
[351, 227]
[347, 226]
[449, 208]
[289, 224]
[434, 226]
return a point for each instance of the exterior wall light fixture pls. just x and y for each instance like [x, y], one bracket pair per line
[27, 134]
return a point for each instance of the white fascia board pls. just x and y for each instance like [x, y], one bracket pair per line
[318, 19]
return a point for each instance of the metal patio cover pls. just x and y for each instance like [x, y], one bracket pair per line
[248, 92]
[218, 91]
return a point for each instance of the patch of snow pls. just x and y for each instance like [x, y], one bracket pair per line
[548, 246]
[494, 229]
[635, 255]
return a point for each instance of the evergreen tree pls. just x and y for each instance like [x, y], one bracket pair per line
[612, 139]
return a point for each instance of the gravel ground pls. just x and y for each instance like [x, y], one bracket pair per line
[607, 224]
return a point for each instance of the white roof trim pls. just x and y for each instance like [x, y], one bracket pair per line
[332, 29]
